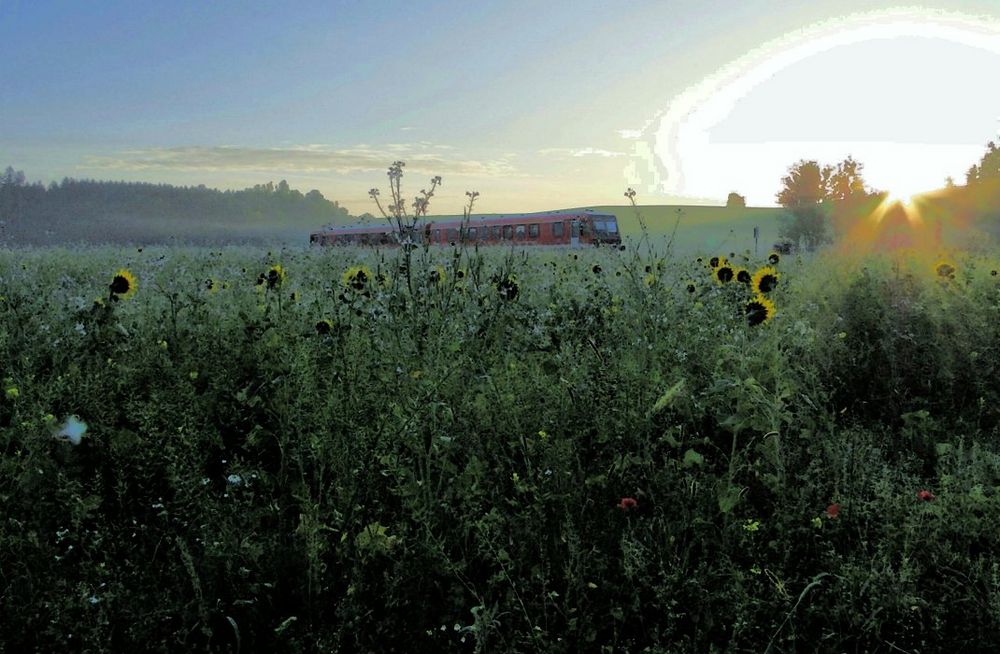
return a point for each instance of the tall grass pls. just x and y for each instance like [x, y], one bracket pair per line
[559, 450]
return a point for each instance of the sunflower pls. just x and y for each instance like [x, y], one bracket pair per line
[275, 276]
[765, 280]
[759, 310]
[508, 288]
[691, 288]
[382, 279]
[715, 262]
[437, 275]
[944, 269]
[123, 285]
[211, 285]
[356, 277]
[773, 258]
[724, 274]
[649, 280]
[743, 276]
[596, 269]
[324, 326]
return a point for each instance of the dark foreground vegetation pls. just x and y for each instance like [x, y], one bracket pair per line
[580, 451]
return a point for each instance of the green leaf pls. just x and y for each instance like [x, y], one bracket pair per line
[692, 458]
[729, 497]
[667, 399]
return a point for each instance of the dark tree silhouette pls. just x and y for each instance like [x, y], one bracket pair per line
[109, 212]
[735, 200]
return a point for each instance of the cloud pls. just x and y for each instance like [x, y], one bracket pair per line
[668, 154]
[579, 152]
[419, 158]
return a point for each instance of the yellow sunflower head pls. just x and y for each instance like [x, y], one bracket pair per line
[759, 310]
[773, 258]
[437, 275]
[275, 276]
[724, 274]
[944, 269]
[765, 280]
[717, 261]
[123, 285]
[356, 277]
[324, 326]
[743, 276]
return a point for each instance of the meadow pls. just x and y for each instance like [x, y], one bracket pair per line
[564, 450]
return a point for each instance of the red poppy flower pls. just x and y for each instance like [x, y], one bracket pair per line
[628, 503]
[833, 511]
[925, 495]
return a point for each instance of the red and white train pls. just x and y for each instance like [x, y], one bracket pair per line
[562, 228]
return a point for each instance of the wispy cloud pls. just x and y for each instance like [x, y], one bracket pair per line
[420, 157]
[579, 152]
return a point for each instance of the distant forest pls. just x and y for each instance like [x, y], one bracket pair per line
[85, 211]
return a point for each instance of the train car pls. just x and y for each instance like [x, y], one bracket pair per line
[560, 228]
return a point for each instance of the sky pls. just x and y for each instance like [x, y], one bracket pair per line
[535, 105]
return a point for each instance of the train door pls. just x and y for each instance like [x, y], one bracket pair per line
[574, 234]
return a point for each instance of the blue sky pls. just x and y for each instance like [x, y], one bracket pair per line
[523, 101]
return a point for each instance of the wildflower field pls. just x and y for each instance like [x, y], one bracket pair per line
[498, 451]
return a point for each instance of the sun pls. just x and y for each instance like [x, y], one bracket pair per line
[904, 198]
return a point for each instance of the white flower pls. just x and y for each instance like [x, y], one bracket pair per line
[234, 480]
[72, 430]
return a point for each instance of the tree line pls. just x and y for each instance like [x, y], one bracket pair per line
[88, 210]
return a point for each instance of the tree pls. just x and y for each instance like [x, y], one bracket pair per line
[735, 200]
[821, 197]
[803, 186]
[11, 195]
[843, 182]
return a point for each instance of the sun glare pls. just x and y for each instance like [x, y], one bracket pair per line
[719, 133]
[904, 198]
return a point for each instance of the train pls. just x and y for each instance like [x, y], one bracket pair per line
[573, 229]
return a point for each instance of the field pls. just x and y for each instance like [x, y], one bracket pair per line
[594, 450]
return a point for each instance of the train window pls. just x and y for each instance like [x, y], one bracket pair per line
[508, 232]
[585, 227]
[533, 230]
[473, 233]
[519, 232]
[437, 235]
[557, 230]
[600, 227]
[452, 235]
[613, 226]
